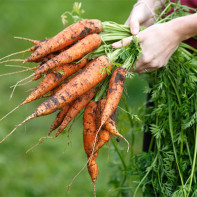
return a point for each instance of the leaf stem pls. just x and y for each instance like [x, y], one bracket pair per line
[172, 139]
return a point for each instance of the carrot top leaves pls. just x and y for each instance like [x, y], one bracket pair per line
[75, 14]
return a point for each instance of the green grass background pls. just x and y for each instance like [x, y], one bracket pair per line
[48, 169]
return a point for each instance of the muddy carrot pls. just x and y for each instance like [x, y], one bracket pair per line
[110, 126]
[116, 86]
[66, 37]
[60, 116]
[74, 110]
[53, 79]
[89, 126]
[86, 79]
[77, 51]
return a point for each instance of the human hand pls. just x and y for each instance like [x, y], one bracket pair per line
[142, 14]
[158, 43]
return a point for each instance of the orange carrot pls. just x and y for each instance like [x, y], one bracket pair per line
[50, 56]
[116, 86]
[75, 52]
[15, 53]
[67, 37]
[110, 126]
[99, 110]
[36, 42]
[74, 110]
[103, 135]
[89, 132]
[86, 79]
[52, 80]
[93, 170]
[60, 116]
[89, 126]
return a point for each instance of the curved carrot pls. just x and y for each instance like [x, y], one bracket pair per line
[52, 80]
[86, 79]
[110, 126]
[36, 42]
[60, 117]
[103, 135]
[89, 132]
[50, 56]
[74, 110]
[75, 52]
[116, 86]
[66, 37]
[89, 126]
[93, 170]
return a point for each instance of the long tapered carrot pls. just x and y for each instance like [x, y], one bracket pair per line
[89, 126]
[89, 132]
[116, 86]
[103, 136]
[36, 42]
[86, 79]
[50, 55]
[93, 170]
[33, 48]
[77, 51]
[74, 110]
[52, 80]
[60, 117]
[110, 126]
[67, 37]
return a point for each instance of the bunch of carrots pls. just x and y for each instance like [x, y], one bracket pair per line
[77, 65]
[80, 69]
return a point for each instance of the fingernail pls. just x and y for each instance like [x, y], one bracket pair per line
[116, 45]
[134, 30]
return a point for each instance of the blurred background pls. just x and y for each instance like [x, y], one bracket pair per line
[48, 169]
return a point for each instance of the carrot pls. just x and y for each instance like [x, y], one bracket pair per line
[85, 80]
[93, 170]
[99, 110]
[77, 51]
[50, 56]
[48, 83]
[54, 79]
[36, 42]
[74, 110]
[102, 134]
[54, 90]
[89, 132]
[27, 50]
[66, 37]
[89, 126]
[103, 137]
[116, 86]
[60, 117]
[110, 126]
